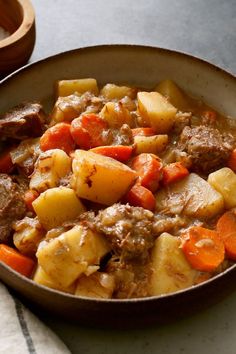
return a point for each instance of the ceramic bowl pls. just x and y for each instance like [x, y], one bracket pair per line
[142, 66]
[16, 17]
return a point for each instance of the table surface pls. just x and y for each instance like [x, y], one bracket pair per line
[204, 28]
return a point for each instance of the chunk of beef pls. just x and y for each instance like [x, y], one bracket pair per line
[129, 229]
[182, 119]
[69, 107]
[204, 147]
[23, 121]
[12, 206]
[166, 223]
[25, 155]
[132, 279]
[122, 136]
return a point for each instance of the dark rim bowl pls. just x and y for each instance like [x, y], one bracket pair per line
[143, 66]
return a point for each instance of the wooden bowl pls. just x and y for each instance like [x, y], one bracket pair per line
[16, 17]
[140, 66]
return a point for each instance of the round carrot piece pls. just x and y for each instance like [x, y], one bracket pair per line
[16, 260]
[121, 153]
[141, 196]
[149, 168]
[143, 131]
[226, 228]
[29, 196]
[6, 165]
[232, 161]
[203, 248]
[174, 172]
[58, 137]
[87, 131]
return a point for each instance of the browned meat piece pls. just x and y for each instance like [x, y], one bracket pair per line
[122, 136]
[132, 280]
[12, 206]
[165, 223]
[182, 119]
[69, 107]
[23, 121]
[205, 147]
[129, 229]
[25, 155]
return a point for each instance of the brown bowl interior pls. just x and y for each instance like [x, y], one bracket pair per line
[142, 66]
[11, 15]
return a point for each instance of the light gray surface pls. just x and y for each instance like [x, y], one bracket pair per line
[205, 28]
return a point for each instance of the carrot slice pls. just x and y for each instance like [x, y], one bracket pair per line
[226, 227]
[118, 152]
[58, 137]
[141, 196]
[143, 131]
[87, 131]
[174, 172]
[20, 263]
[6, 165]
[29, 196]
[203, 248]
[232, 161]
[149, 169]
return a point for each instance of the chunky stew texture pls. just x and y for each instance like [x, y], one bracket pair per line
[119, 192]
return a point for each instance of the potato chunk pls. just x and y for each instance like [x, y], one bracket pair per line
[99, 178]
[192, 196]
[68, 87]
[171, 271]
[173, 93]
[224, 181]
[98, 285]
[57, 205]
[111, 92]
[28, 234]
[115, 114]
[66, 257]
[49, 168]
[151, 144]
[156, 111]
[42, 278]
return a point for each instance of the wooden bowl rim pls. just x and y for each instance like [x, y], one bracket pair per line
[24, 28]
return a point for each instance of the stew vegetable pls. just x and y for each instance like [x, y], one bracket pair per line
[119, 192]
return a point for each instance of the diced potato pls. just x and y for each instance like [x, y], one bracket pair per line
[66, 109]
[173, 93]
[171, 271]
[156, 111]
[57, 205]
[66, 257]
[224, 181]
[151, 144]
[68, 87]
[192, 196]
[116, 115]
[98, 285]
[111, 92]
[40, 277]
[99, 178]
[28, 234]
[50, 167]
